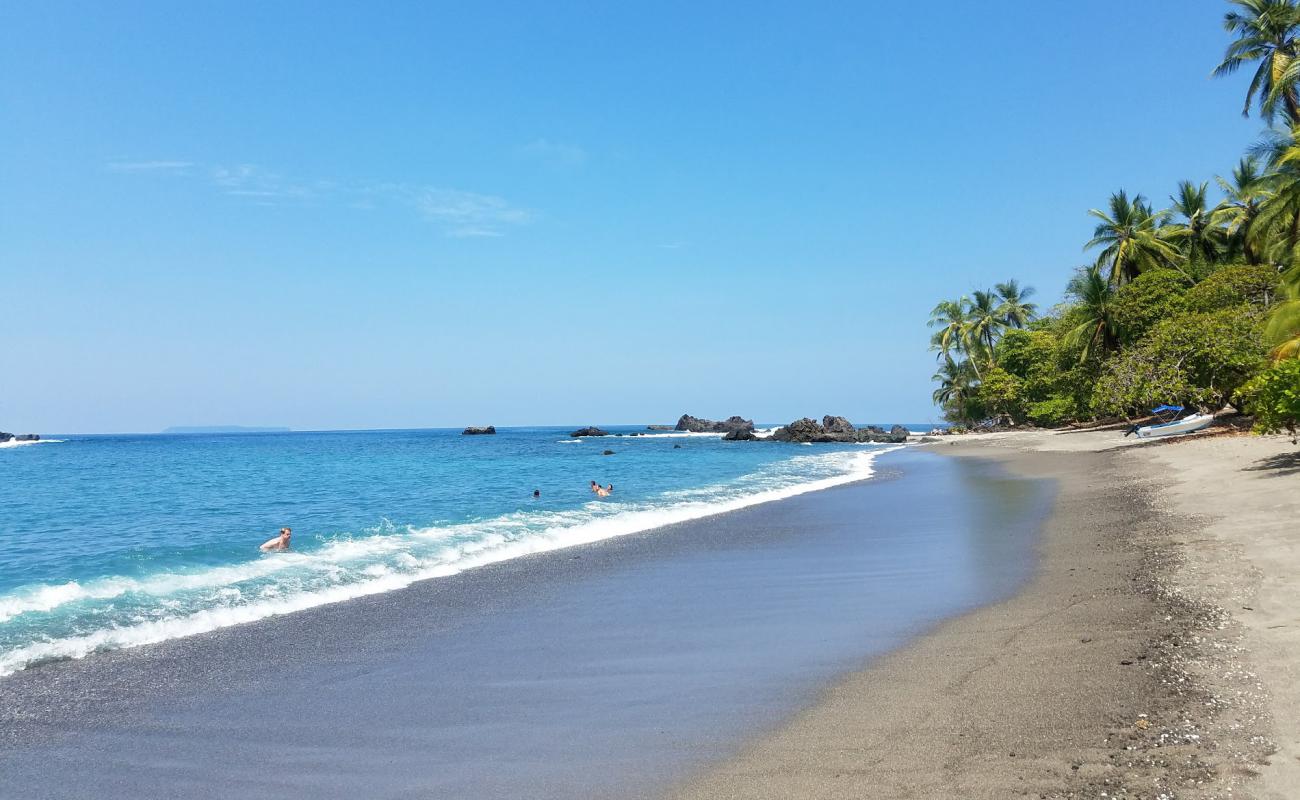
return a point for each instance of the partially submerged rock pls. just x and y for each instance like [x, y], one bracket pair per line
[471, 431]
[20, 437]
[739, 435]
[699, 425]
[659, 427]
[837, 429]
[589, 431]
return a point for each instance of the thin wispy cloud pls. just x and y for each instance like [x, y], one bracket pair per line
[553, 154]
[469, 214]
[457, 213]
[148, 166]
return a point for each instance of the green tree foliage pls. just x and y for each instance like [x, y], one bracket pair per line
[1183, 304]
[1273, 397]
[1265, 33]
[1128, 234]
[1147, 299]
[1092, 318]
[1196, 359]
[1233, 285]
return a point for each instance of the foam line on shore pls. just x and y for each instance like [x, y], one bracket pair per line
[407, 555]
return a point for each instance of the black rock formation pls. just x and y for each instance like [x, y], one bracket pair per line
[739, 435]
[837, 429]
[590, 431]
[21, 437]
[489, 430]
[659, 427]
[698, 425]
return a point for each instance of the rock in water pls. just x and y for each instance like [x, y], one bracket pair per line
[489, 430]
[4, 437]
[608, 453]
[801, 430]
[895, 435]
[659, 427]
[27, 437]
[837, 425]
[739, 435]
[699, 425]
[590, 431]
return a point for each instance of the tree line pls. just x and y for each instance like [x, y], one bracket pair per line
[1196, 303]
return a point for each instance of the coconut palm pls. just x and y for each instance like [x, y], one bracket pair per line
[1282, 330]
[986, 321]
[1095, 295]
[1266, 33]
[953, 328]
[1243, 197]
[1277, 226]
[1194, 230]
[1016, 313]
[956, 381]
[1130, 239]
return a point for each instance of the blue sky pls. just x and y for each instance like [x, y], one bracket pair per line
[438, 214]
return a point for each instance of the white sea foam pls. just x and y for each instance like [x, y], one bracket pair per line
[16, 443]
[391, 559]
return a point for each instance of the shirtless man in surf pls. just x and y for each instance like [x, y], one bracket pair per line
[280, 542]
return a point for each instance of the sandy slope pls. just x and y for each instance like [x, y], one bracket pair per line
[1155, 655]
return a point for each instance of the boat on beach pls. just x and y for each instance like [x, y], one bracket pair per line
[1175, 426]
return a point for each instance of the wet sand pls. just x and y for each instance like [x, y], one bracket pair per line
[611, 670]
[1153, 656]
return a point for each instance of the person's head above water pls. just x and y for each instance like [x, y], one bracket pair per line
[285, 533]
[537, 493]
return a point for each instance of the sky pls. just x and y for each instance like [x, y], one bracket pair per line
[391, 215]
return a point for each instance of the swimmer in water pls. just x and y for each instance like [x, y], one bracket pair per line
[537, 493]
[280, 542]
[595, 488]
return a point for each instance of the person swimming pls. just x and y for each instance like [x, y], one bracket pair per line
[280, 542]
[595, 488]
[537, 493]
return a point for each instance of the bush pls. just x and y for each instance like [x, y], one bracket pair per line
[1000, 392]
[1196, 359]
[1052, 412]
[1149, 298]
[1273, 397]
[1233, 285]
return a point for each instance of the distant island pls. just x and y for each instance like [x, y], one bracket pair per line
[222, 429]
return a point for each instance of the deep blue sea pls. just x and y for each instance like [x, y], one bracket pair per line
[117, 541]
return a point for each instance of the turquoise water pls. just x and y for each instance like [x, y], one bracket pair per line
[118, 541]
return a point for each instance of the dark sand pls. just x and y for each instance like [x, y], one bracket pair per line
[1074, 688]
[616, 669]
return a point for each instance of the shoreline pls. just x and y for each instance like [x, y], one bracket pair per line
[1119, 669]
[609, 670]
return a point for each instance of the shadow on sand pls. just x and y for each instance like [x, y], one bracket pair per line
[1280, 464]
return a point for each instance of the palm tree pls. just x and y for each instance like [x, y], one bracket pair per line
[1277, 226]
[1196, 233]
[1266, 33]
[954, 328]
[1242, 198]
[1016, 313]
[1283, 327]
[1095, 295]
[956, 383]
[1129, 238]
[986, 320]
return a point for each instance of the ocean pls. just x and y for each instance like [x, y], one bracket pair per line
[117, 541]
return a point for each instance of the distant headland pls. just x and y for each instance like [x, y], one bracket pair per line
[222, 429]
